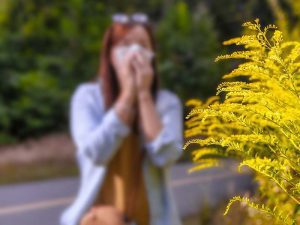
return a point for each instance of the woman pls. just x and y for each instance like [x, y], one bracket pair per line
[127, 131]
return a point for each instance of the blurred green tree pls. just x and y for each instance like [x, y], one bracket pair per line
[46, 48]
[229, 14]
[287, 15]
[188, 45]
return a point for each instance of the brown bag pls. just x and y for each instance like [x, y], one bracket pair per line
[103, 215]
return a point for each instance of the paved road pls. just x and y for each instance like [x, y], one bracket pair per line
[40, 203]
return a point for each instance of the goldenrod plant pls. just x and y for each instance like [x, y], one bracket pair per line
[257, 121]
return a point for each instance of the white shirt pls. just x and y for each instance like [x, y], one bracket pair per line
[97, 134]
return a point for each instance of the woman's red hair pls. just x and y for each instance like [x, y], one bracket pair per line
[109, 82]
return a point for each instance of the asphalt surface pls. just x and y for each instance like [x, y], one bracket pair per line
[41, 203]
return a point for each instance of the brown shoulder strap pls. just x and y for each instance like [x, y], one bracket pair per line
[137, 184]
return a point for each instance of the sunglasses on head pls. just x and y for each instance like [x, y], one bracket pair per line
[125, 18]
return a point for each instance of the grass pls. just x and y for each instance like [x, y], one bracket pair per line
[10, 174]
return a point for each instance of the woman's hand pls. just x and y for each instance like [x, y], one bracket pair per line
[143, 73]
[126, 79]
[149, 117]
[124, 105]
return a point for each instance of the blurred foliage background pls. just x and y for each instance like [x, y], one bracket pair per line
[49, 47]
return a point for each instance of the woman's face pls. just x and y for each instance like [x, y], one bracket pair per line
[137, 35]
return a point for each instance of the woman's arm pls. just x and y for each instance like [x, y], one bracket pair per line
[149, 116]
[165, 146]
[98, 138]
[162, 130]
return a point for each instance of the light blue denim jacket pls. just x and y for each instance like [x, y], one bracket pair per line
[98, 134]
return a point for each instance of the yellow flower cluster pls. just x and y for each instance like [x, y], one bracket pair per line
[256, 120]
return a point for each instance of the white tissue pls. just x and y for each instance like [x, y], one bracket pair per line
[123, 50]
